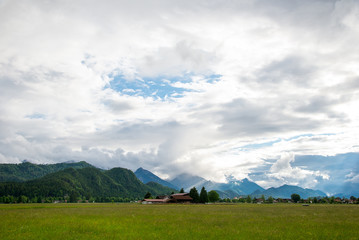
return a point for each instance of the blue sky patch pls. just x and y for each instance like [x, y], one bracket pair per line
[158, 87]
[260, 145]
[36, 116]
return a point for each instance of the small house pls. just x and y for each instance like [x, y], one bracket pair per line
[180, 198]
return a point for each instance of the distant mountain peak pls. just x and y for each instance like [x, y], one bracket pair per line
[232, 188]
[187, 181]
[231, 178]
[71, 161]
[146, 176]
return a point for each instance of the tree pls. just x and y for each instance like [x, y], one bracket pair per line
[270, 199]
[148, 195]
[295, 197]
[181, 191]
[23, 199]
[203, 196]
[323, 200]
[263, 198]
[73, 196]
[213, 196]
[193, 193]
[248, 200]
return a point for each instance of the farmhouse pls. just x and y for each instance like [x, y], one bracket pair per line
[180, 198]
[174, 198]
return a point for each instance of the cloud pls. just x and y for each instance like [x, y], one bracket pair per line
[291, 69]
[282, 170]
[186, 85]
[175, 60]
[244, 117]
[352, 177]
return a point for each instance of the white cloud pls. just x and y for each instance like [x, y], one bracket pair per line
[285, 69]
[352, 177]
[283, 171]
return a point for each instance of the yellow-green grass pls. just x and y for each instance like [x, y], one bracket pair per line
[136, 221]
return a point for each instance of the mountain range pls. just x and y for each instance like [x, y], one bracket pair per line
[232, 188]
[286, 190]
[84, 179]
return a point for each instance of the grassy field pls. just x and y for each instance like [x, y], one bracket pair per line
[136, 221]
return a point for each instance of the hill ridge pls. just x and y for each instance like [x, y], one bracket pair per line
[87, 182]
[27, 171]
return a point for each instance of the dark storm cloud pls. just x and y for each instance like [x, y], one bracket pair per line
[261, 117]
[291, 69]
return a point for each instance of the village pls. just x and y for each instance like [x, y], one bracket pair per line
[185, 198]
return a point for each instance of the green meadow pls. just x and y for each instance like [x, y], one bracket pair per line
[136, 221]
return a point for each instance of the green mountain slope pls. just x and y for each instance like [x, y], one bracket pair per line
[28, 171]
[87, 182]
[158, 188]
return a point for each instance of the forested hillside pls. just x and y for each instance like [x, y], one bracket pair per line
[28, 171]
[85, 183]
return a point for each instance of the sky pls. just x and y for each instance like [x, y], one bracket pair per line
[264, 90]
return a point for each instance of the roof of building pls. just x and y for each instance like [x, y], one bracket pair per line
[154, 200]
[180, 194]
[181, 197]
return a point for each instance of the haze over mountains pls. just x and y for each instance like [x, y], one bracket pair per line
[233, 187]
[286, 190]
[146, 176]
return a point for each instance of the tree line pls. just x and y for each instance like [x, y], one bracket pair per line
[295, 198]
[72, 198]
[203, 196]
